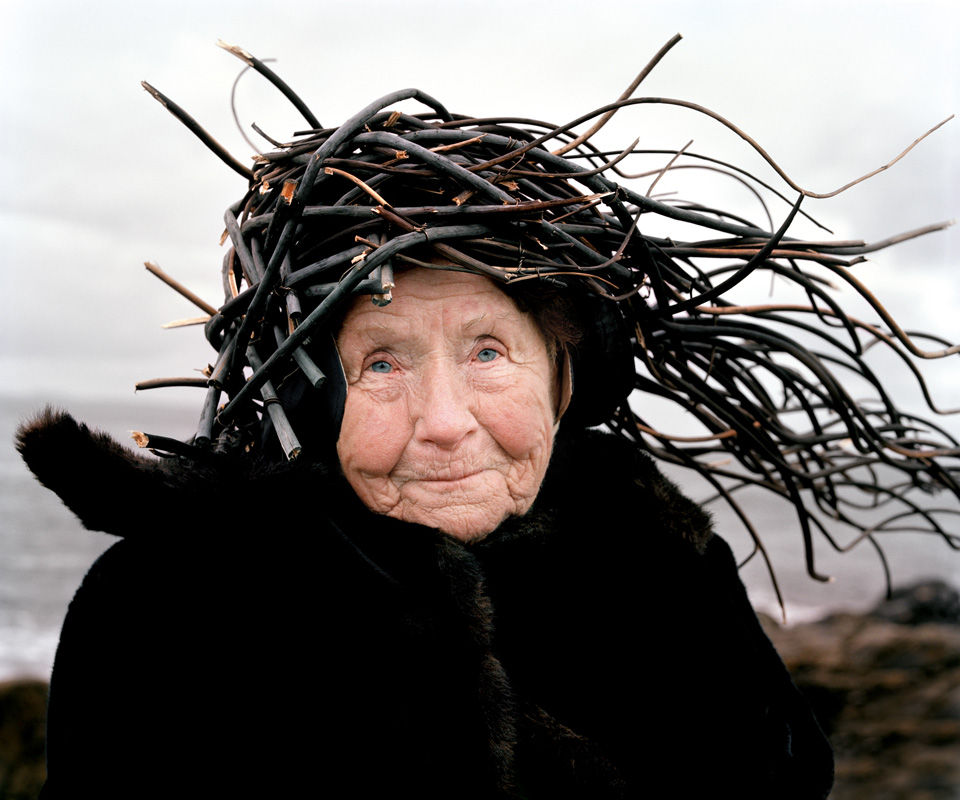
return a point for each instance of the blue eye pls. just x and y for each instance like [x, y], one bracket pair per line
[381, 366]
[487, 354]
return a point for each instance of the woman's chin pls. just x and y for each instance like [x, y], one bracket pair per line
[465, 523]
[468, 537]
[467, 508]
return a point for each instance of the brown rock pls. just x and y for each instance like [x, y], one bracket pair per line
[888, 695]
[23, 712]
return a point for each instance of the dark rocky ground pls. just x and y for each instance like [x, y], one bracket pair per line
[23, 711]
[886, 687]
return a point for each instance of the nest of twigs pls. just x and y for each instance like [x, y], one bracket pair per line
[332, 212]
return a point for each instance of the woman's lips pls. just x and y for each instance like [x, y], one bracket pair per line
[447, 483]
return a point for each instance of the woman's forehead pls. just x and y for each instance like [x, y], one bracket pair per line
[457, 299]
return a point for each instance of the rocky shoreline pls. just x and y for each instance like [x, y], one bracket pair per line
[23, 713]
[886, 689]
[885, 686]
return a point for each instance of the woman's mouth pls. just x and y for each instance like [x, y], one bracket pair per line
[451, 480]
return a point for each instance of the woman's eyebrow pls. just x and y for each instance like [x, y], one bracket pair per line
[473, 322]
[505, 316]
[375, 324]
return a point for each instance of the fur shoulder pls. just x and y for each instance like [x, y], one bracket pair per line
[116, 490]
[108, 486]
[606, 472]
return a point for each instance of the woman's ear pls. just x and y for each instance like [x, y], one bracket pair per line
[564, 383]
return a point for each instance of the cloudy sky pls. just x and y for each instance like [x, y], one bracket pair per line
[98, 178]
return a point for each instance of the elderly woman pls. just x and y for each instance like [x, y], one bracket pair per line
[463, 623]
[396, 557]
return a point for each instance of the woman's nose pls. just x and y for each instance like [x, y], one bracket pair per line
[446, 408]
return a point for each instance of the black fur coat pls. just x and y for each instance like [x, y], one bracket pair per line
[264, 634]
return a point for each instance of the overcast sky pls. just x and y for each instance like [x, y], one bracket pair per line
[98, 178]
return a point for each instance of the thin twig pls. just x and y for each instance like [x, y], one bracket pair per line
[628, 92]
[179, 287]
[194, 127]
[275, 79]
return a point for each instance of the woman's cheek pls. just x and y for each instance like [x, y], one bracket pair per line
[520, 420]
[385, 388]
[373, 433]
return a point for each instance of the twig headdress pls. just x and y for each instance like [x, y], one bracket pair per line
[331, 213]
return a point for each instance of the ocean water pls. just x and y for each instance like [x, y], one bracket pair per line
[44, 551]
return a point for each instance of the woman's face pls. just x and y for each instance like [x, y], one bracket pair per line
[449, 417]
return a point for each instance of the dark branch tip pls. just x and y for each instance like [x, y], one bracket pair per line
[239, 52]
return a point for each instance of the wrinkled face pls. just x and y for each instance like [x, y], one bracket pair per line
[449, 418]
